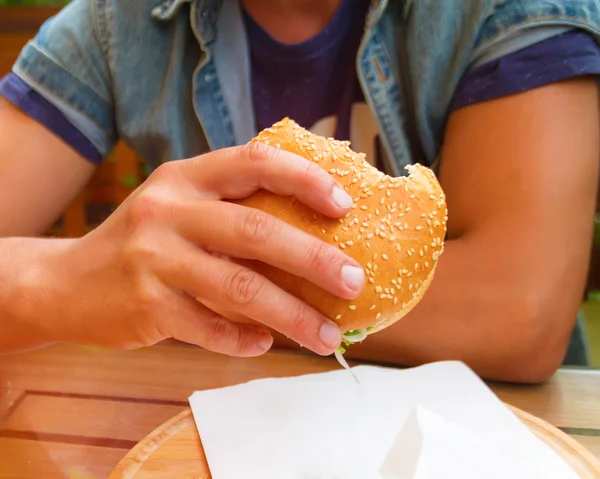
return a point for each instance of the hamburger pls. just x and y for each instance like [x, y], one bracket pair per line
[395, 231]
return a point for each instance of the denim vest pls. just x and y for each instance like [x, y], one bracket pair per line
[171, 77]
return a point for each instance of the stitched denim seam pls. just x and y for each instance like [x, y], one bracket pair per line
[33, 75]
[100, 24]
[103, 21]
[538, 21]
[108, 135]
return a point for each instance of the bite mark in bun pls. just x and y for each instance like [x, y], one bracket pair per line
[395, 231]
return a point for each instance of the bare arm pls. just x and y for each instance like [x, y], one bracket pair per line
[520, 174]
[130, 282]
[39, 174]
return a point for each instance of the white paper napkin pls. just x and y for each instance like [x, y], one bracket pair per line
[395, 424]
[429, 446]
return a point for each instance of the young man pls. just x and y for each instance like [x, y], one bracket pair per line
[499, 97]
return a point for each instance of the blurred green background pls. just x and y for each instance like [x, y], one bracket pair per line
[591, 306]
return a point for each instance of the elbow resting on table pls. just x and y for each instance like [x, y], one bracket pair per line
[536, 336]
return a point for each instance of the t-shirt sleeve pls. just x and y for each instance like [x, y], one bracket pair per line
[565, 56]
[62, 79]
[37, 107]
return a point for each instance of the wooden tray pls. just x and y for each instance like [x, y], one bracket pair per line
[174, 451]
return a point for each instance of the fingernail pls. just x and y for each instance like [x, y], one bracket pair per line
[265, 342]
[330, 335]
[353, 277]
[341, 198]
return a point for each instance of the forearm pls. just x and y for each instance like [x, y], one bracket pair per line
[482, 309]
[29, 272]
[520, 177]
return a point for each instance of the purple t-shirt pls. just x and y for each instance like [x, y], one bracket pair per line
[312, 80]
[315, 82]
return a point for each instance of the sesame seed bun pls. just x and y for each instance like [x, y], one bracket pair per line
[395, 230]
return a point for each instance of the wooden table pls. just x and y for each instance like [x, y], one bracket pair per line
[74, 412]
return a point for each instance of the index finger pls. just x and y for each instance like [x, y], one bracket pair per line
[237, 172]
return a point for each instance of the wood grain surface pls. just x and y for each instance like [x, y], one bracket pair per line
[9, 399]
[174, 450]
[28, 459]
[82, 417]
[580, 459]
[591, 443]
[573, 410]
[75, 412]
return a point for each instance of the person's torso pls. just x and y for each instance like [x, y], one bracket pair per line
[183, 79]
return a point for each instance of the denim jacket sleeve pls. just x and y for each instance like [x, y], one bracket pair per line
[511, 25]
[67, 63]
[443, 40]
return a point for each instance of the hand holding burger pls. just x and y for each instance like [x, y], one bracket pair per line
[303, 237]
[395, 230]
